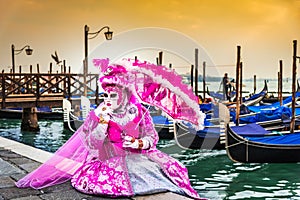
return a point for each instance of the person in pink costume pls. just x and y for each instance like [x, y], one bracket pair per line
[114, 152]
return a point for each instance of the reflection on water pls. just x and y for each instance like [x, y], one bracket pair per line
[211, 172]
[50, 137]
[217, 177]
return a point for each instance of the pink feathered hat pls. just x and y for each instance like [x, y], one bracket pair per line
[112, 74]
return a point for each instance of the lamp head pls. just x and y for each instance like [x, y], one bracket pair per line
[108, 35]
[28, 51]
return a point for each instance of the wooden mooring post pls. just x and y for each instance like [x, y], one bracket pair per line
[192, 77]
[196, 71]
[294, 69]
[280, 97]
[241, 83]
[254, 84]
[204, 80]
[30, 120]
[238, 66]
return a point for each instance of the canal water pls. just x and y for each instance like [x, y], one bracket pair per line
[211, 172]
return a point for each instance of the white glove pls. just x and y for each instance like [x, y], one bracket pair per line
[103, 112]
[103, 109]
[131, 142]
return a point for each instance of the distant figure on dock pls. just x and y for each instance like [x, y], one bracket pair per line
[114, 152]
[226, 87]
[232, 85]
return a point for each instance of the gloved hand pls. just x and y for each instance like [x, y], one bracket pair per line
[103, 109]
[131, 142]
[103, 112]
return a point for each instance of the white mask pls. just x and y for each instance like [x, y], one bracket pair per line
[111, 100]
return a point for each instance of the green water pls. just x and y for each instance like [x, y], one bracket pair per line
[211, 173]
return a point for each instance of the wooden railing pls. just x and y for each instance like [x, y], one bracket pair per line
[40, 89]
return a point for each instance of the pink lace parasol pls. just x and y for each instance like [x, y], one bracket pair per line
[160, 87]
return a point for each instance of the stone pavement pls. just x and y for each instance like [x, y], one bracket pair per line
[17, 159]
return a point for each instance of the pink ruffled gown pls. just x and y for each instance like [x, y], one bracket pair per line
[96, 163]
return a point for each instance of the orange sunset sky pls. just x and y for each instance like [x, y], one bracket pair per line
[264, 29]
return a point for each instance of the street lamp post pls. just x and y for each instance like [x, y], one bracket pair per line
[14, 52]
[108, 35]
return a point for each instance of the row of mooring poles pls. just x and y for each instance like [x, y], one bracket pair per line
[239, 69]
[194, 69]
[159, 59]
[294, 75]
[63, 68]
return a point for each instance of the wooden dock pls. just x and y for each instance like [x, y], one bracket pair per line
[29, 100]
[44, 89]
[31, 90]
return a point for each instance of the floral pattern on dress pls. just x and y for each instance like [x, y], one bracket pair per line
[107, 178]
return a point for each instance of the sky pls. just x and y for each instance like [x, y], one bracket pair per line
[265, 30]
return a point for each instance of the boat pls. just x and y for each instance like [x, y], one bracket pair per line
[247, 101]
[243, 146]
[270, 99]
[164, 126]
[219, 96]
[256, 98]
[74, 117]
[287, 102]
[187, 137]
[252, 99]
[267, 115]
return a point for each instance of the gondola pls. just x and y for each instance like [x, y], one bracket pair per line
[279, 148]
[266, 115]
[219, 96]
[271, 99]
[74, 118]
[252, 100]
[256, 98]
[164, 126]
[187, 137]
